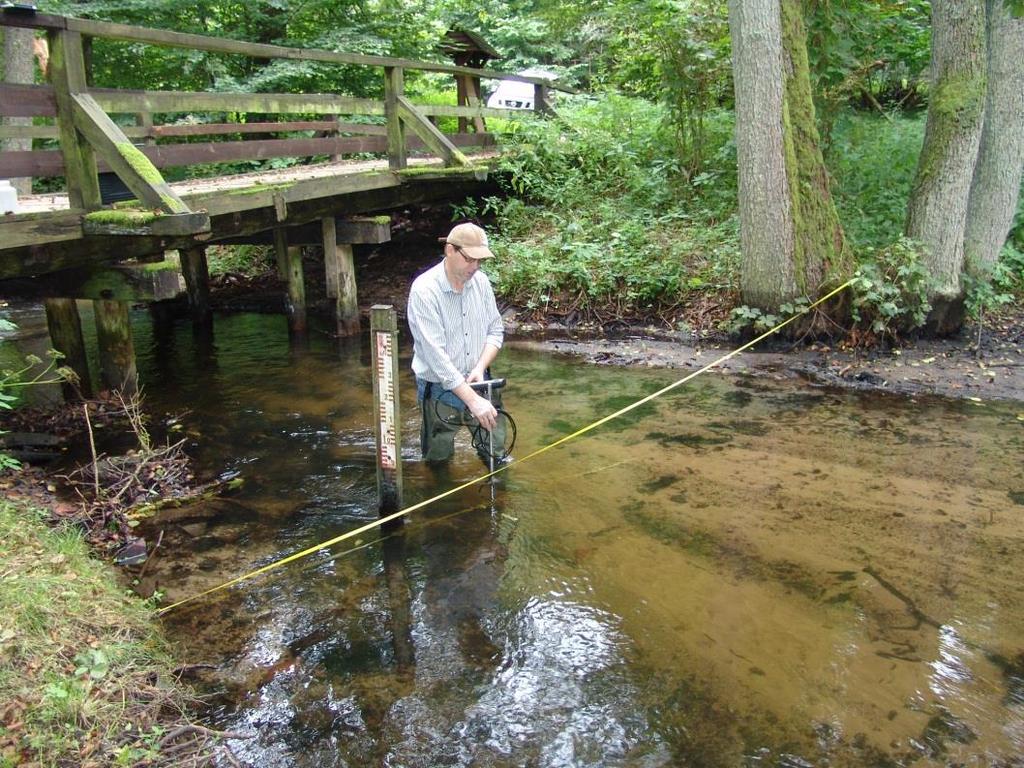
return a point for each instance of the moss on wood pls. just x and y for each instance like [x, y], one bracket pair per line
[820, 247]
[122, 218]
[139, 163]
[434, 170]
[259, 188]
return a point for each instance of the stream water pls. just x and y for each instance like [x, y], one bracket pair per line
[744, 572]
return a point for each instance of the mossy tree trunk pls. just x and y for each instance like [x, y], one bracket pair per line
[790, 233]
[997, 174]
[937, 210]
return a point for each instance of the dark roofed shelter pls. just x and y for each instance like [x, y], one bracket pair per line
[468, 49]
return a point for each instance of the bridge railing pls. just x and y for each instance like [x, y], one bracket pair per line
[91, 141]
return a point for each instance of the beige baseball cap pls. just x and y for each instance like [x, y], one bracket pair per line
[470, 239]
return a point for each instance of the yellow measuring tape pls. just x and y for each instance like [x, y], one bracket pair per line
[419, 505]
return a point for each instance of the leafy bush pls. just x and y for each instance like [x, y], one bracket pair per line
[890, 290]
[872, 162]
[247, 260]
[13, 382]
[1000, 287]
[603, 219]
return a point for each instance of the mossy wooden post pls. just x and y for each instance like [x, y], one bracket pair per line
[117, 355]
[347, 305]
[68, 76]
[341, 279]
[394, 87]
[387, 429]
[296, 305]
[197, 283]
[329, 237]
[66, 337]
[281, 252]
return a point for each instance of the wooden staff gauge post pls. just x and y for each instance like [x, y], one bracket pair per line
[387, 425]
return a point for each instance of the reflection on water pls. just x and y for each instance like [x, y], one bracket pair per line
[743, 573]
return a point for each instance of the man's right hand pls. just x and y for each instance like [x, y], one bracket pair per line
[483, 412]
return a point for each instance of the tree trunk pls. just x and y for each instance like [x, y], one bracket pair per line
[937, 210]
[19, 67]
[789, 229]
[767, 234]
[997, 174]
[820, 247]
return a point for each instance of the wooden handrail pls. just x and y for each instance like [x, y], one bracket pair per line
[90, 139]
[163, 37]
[38, 101]
[50, 162]
[116, 100]
[205, 129]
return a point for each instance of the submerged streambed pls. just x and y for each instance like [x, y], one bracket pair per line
[744, 572]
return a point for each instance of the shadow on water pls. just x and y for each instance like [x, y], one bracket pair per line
[743, 573]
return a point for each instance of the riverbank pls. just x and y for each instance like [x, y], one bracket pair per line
[86, 677]
[989, 365]
[957, 367]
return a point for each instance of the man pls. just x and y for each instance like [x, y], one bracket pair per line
[457, 332]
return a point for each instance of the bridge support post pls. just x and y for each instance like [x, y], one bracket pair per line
[197, 283]
[388, 428]
[394, 88]
[341, 279]
[117, 355]
[296, 305]
[346, 307]
[281, 252]
[65, 327]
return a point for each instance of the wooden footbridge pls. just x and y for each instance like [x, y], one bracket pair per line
[75, 245]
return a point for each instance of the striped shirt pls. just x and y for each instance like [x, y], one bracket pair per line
[450, 329]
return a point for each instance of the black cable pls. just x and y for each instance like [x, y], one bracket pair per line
[482, 443]
[479, 435]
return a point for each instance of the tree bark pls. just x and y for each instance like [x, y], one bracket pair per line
[767, 234]
[19, 67]
[789, 228]
[997, 174]
[820, 247]
[937, 210]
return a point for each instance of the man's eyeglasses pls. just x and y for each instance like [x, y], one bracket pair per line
[462, 253]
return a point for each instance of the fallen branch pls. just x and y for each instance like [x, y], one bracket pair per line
[199, 730]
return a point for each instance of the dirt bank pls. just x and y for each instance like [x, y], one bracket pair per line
[954, 367]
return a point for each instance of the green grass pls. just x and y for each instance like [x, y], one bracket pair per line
[84, 676]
